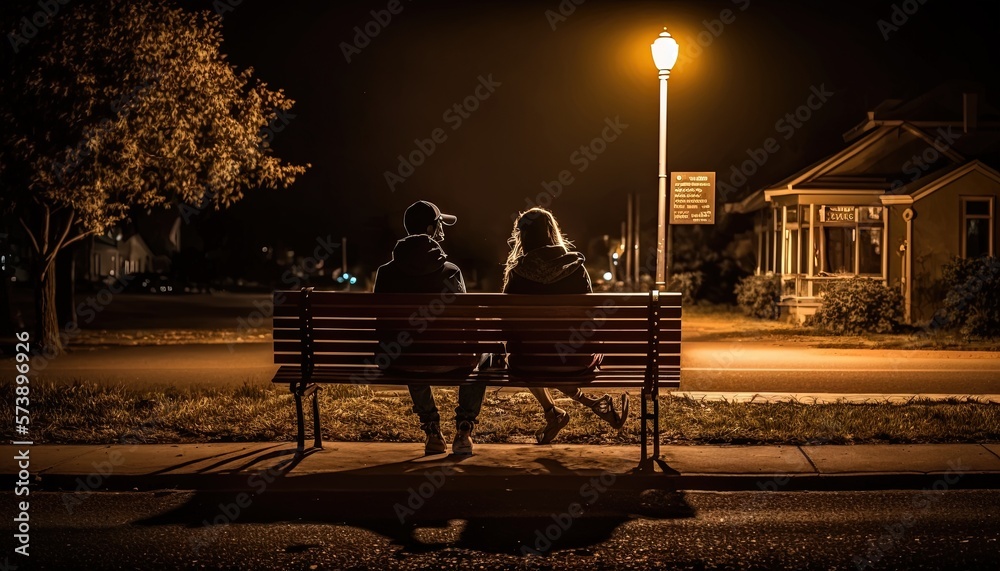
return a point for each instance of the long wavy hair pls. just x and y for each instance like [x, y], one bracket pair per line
[533, 229]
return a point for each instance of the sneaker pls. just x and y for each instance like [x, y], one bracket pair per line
[435, 439]
[555, 419]
[463, 439]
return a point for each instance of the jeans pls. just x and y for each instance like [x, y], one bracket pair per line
[470, 401]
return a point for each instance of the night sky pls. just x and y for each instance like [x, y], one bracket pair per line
[557, 87]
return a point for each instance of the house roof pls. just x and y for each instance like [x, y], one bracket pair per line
[893, 154]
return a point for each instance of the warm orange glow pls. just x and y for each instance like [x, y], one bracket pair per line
[665, 51]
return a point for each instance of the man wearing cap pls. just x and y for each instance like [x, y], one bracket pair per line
[419, 265]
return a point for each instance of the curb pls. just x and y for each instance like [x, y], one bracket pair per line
[327, 483]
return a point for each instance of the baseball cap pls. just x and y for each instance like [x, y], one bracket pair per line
[422, 214]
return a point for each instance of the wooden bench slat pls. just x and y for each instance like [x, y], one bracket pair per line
[445, 360]
[473, 313]
[667, 321]
[541, 335]
[359, 299]
[355, 375]
[424, 347]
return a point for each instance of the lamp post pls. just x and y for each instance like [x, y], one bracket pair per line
[665, 52]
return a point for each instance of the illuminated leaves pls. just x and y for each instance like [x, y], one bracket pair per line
[123, 104]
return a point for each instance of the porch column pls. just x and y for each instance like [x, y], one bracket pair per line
[812, 246]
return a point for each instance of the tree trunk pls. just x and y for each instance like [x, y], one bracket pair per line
[65, 267]
[46, 319]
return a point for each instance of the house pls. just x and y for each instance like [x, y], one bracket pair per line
[111, 255]
[915, 186]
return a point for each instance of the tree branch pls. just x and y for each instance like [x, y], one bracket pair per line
[34, 242]
[45, 234]
[62, 239]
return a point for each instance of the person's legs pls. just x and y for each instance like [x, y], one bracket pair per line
[423, 404]
[470, 402]
[603, 406]
[555, 417]
[430, 420]
[544, 397]
[581, 397]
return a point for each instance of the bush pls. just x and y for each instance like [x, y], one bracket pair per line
[758, 296]
[687, 283]
[860, 305]
[972, 302]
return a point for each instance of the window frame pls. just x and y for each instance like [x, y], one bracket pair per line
[990, 218]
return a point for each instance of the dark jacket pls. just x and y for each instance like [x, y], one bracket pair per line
[549, 270]
[419, 265]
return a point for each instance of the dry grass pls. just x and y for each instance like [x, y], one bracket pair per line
[87, 413]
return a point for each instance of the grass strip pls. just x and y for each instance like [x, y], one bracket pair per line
[90, 413]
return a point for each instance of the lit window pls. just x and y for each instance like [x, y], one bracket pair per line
[977, 227]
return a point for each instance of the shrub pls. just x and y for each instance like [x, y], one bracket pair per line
[860, 305]
[972, 301]
[687, 283]
[758, 296]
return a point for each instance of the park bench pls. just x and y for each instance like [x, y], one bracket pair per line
[341, 337]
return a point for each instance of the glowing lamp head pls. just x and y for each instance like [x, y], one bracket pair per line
[665, 51]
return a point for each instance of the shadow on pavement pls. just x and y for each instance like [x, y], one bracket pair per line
[428, 519]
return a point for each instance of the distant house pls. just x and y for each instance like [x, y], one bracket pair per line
[915, 187]
[111, 255]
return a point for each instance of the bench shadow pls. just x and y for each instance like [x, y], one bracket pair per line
[483, 508]
[493, 521]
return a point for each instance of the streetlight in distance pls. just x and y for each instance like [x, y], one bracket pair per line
[665, 52]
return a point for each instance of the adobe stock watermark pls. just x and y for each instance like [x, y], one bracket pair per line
[222, 7]
[364, 34]
[417, 497]
[265, 310]
[590, 492]
[86, 311]
[898, 17]
[917, 165]
[578, 336]
[120, 109]
[229, 512]
[692, 49]
[894, 534]
[454, 116]
[581, 158]
[786, 126]
[563, 11]
[420, 320]
[29, 26]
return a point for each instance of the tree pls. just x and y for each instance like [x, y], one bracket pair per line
[116, 104]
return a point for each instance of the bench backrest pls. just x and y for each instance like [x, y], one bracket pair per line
[341, 329]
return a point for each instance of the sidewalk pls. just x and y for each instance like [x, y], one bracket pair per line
[370, 466]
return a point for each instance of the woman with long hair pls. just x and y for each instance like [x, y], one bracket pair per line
[541, 262]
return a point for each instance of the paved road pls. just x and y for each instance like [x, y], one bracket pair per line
[616, 530]
[707, 366]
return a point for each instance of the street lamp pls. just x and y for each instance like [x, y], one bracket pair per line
[665, 52]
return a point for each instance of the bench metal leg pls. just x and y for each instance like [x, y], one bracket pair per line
[301, 422]
[317, 431]
[311, 390]
[650, 429]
